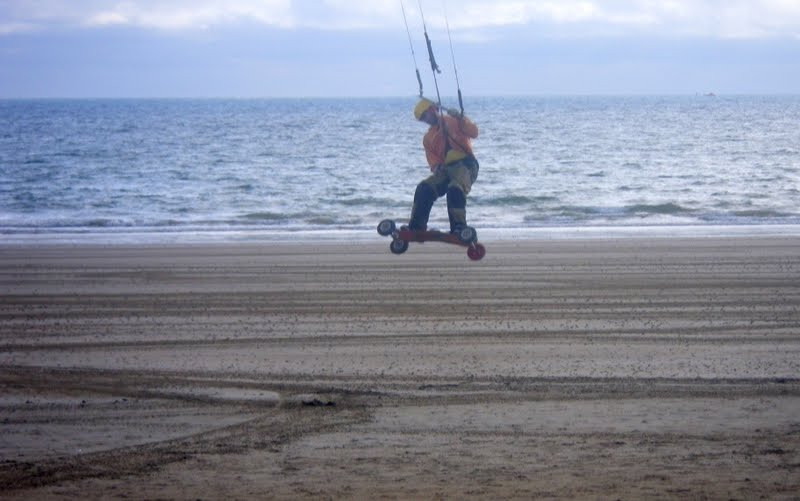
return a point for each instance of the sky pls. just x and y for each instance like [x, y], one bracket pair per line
[361, 48]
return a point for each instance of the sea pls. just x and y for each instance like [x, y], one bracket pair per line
[218, 170]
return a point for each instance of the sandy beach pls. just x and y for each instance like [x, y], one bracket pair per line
[567, 369]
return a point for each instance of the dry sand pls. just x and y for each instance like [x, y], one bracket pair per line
[633, 369]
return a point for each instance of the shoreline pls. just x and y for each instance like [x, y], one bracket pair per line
[552, 369]
[266, 236]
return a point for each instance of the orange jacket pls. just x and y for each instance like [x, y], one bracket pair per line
[459, 133]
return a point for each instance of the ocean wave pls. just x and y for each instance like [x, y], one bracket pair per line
[762, 214]
[364, 202]
[101, 223]
[35, 161]
[513, 200]
[265, 216]
[577, 214]
[337, 221]
[662, 209]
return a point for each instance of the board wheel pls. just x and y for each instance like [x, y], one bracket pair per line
[476, 252]
[386, 227]
[467, 235]
[398, 246]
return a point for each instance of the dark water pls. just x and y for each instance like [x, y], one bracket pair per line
[81, 167]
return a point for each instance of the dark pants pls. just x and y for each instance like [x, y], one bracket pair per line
[454, 180]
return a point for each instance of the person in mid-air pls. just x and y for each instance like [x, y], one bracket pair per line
[448, 149]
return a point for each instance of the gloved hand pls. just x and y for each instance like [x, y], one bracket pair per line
[453, 112]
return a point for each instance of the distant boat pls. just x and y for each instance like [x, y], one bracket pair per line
[711, 94]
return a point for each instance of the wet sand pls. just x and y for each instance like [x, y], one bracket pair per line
[581, 369]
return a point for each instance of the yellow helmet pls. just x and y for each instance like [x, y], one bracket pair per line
[421, 107]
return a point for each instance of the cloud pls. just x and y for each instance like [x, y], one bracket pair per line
[12, 28]
[180, 15]
[671, 18]
[199, 14]
[166, 14]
